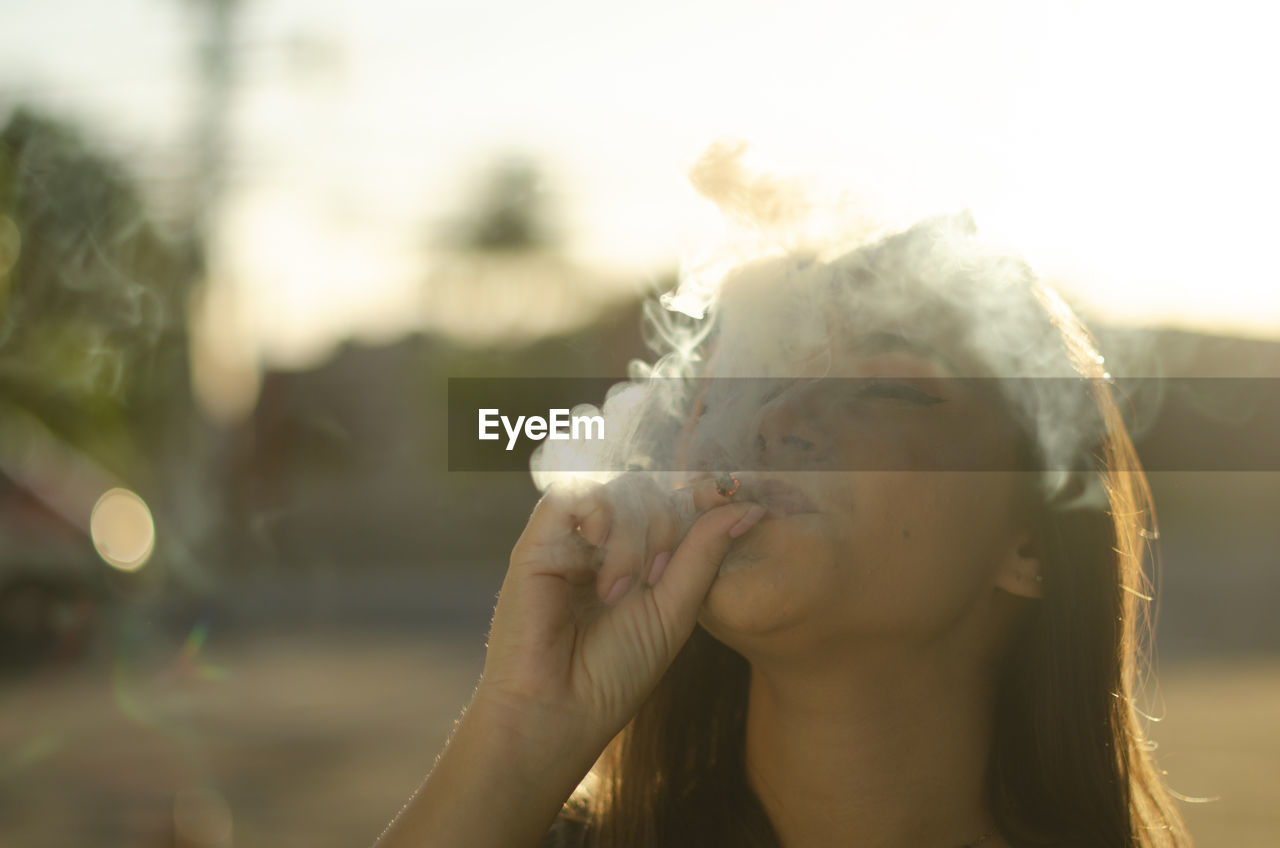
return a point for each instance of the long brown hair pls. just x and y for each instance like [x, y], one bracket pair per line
[1069, 762]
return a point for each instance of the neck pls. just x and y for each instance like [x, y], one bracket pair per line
[882, 752]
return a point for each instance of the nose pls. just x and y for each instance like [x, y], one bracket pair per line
[787, 433]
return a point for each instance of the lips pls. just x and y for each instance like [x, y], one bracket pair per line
[781, 499]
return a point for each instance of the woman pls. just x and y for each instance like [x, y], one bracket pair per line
[914, 622]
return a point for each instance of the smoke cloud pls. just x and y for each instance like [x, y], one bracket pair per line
[777, 308]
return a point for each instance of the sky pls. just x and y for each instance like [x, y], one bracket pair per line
[1126, 148]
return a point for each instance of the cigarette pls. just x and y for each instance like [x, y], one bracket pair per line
[726, 484]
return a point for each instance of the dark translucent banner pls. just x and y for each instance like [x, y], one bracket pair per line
[860, 424]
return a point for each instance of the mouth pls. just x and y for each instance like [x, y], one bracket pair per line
[779, 498]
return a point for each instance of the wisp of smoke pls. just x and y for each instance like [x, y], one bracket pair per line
[769, 309]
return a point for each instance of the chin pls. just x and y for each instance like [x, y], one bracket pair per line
[746, 590]
[736, 561]
[766, 577]
[743, 607]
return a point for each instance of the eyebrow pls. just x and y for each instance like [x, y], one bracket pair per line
[871, 344]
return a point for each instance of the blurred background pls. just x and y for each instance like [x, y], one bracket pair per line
[244, 244]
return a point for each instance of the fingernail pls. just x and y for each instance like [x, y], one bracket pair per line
[747, 521]
[658, 566]
[619, 589]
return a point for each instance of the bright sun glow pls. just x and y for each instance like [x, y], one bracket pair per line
[1124, 146]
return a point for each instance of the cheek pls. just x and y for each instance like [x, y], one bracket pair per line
[905, 553]
[924, 544]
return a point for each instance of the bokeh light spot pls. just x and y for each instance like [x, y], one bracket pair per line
[122, 530]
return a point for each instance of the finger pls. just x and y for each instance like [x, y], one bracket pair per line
[623, 558]
[650, 521]
[647, 525]
[680, 590]
[595, 518]
[552, 542]
[562, 510]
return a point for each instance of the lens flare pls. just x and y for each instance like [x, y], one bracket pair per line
[122, 530]
[189, 657]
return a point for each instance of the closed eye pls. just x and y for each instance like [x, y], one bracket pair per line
[888, 390]
[773, 394]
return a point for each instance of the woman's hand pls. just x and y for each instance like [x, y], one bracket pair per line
[571, 655]
[603, 589]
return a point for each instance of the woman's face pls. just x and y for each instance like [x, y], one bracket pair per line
[893, 501]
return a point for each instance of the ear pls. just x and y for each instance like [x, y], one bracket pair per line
[1021, 573]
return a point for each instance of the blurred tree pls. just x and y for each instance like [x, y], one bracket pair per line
[92, 303]
[512, 212]
[499, 271]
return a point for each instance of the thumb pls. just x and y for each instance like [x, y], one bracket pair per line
[683, 585]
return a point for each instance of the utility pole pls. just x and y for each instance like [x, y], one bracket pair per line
[191, 454]
[215, 81]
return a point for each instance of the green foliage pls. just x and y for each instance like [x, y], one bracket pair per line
[511, 211]
[92, 308]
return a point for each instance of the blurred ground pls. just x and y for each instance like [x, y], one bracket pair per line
[1220, 741]
[308, 738]
[306, 735]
